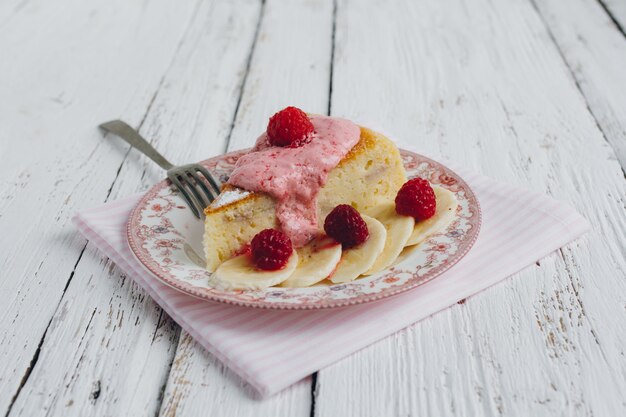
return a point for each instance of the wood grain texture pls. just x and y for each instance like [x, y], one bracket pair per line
[529, 92]
[482, 83]
[108, 350]
[290, 66]
[595, 50]
[282, 72]
[53, 158]
[199, 384]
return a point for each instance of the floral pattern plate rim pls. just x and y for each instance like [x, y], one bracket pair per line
[167, 239]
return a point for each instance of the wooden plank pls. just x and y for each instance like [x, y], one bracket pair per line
[200, 385]
[482, 83]
[62, 73]
[596, 52]
[109, 348]
[106, 352]
[290, 66]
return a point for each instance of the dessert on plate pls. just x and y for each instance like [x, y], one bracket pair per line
[317, 199]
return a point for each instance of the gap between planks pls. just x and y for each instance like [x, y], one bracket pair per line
[572, 74]
[314, 376]
[35, 357]
[332, 58]
[242, 86]
[154, 96]
[616, 22]
[244, 81]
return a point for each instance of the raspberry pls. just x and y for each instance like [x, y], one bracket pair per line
[290, 127]
[271, 250]
[346, 226]
[416, 198]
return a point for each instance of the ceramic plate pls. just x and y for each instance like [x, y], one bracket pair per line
[167, 239]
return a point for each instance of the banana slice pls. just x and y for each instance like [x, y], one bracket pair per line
[399, 229]
[240, 273]
[356, 261]
[317, 260]
[444, 214]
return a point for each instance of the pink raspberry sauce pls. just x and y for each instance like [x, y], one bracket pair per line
[294, 176]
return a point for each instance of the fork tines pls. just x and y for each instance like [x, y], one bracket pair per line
[198, 187]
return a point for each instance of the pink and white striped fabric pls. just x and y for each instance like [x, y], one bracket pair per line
[274, 349]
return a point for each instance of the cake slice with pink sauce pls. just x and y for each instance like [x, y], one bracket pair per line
[291, 185]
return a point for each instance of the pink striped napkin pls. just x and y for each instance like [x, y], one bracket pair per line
[274, 349]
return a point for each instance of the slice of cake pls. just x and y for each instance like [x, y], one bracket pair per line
[318, 199]
[292, 184]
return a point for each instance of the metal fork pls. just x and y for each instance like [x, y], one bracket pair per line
[184, 177]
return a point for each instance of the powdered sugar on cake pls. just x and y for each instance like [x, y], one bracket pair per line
[229, 196]
[294, 176]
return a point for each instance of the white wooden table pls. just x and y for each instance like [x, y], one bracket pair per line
[530, 91]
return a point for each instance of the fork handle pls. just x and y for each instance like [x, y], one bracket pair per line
[130, 135]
